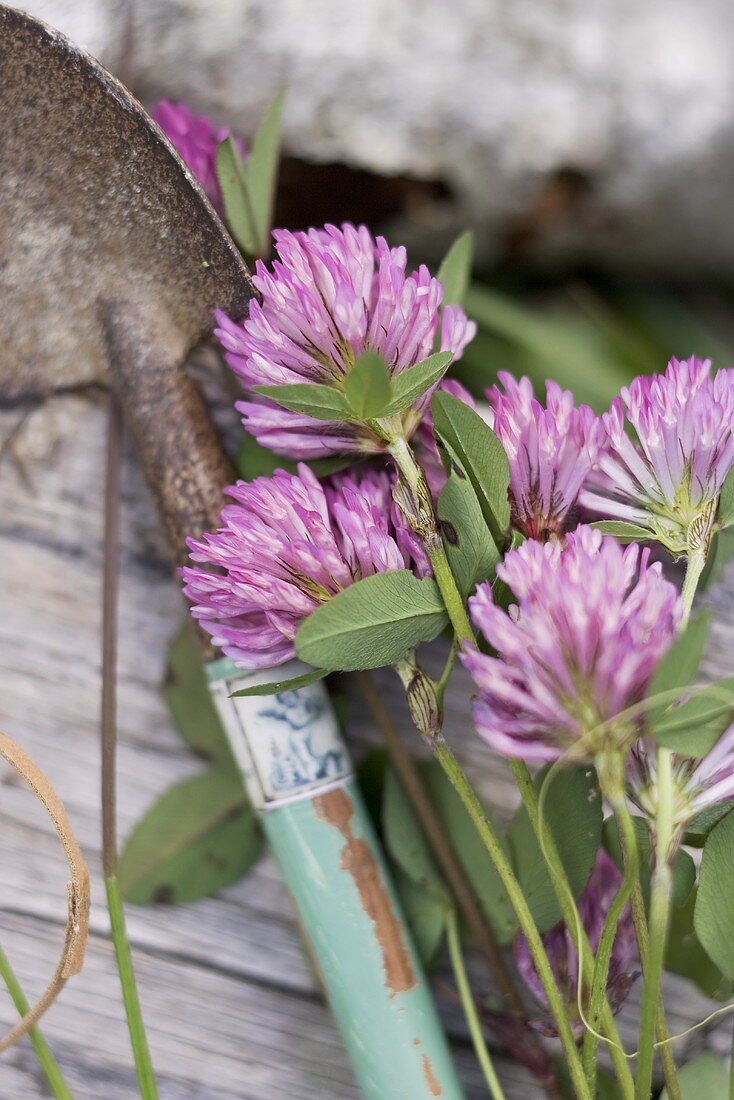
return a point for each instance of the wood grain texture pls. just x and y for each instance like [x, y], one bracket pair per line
[232, 1008]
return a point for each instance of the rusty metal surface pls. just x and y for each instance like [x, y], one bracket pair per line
[94, 205]
[173, 433]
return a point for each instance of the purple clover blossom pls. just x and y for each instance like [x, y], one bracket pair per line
[333, 294]
[594, 902]
[196, 138]
[699, 784]
[669, 482]
[590, 623]
[286, 545]
[550, 450]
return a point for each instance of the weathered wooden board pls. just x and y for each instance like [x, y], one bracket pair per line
[232, 1008]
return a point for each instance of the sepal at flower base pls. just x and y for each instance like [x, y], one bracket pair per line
[310, 398]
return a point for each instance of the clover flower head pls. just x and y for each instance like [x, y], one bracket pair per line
[196, 138]
[332, 295]
[698, 784]
[594, 902]
[669, 480]
[550, 449]
[286, 545]
[575, 652]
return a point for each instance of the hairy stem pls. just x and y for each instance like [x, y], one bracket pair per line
[415, 501]
[660, 894]
[639, 917]
[45, 1055]
[486, 830]
[470, 1009]
[598, 994]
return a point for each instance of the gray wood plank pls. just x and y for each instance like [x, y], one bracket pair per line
[232, 1007]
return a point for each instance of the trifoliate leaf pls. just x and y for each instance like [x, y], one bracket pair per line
[573, 817]
[426, 917]
[714, 916]
[189, 700]
[699, 827]
[685, 956]
[406, 841]
[199, 837]
[467, 441]
[706, 1077]
[679, 666]
[471, 550]
[692, 728]
[471, 852]
[372, 623]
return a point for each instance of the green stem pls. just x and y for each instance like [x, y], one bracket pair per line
[694, 569]
[470, 1009]
[600, 976]
[43, 1051]
[447, 586]
[660, 894]
[138, 1039]
[417, 505]
[564, 895]
[471, 803]
[447, 670]
[661, 1026]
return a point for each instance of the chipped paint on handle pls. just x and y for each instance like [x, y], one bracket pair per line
[322, 837]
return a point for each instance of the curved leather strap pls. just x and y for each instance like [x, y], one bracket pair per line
[77, 921]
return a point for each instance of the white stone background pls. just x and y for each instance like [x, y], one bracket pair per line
[493, 98]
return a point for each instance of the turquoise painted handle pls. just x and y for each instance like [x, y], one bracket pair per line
[333, 867]
[298, 772]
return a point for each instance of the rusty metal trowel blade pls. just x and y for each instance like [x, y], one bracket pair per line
[95, 206]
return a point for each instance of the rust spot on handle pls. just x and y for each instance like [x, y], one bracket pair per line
[336, 808]
[433, 1086]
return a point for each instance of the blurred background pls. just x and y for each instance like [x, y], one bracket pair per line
[589, 146]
